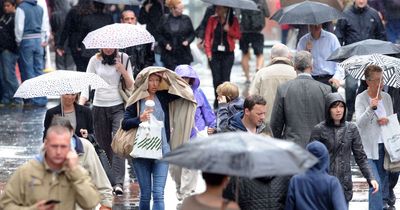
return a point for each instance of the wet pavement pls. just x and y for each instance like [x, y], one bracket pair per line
[21, 131]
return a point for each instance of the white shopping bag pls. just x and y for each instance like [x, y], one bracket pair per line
[391, 138]
[148, 142]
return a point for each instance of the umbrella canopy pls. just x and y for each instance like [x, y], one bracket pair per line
[307, 13]
[242, 154]
[58, 83]
[126, 2]
[365, 47]
[117, 36]
[239, 4]
[337, 4]
[356, 66]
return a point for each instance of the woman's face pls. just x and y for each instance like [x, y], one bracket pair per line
[108, 51]
[68, 99]
[177, 10]
[221, 11]
[154, 83]
[337, 112]
[376, 81]
[187, 80]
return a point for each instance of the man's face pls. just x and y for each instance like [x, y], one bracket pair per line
[256, 116]
[129, 17]
[57, 145]
[361, 3]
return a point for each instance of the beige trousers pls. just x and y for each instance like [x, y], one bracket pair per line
[185, 180]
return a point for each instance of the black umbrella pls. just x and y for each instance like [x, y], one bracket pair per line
[239, 4]
[333, 3]
[365, 47]
[307, 13]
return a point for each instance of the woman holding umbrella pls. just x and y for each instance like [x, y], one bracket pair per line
[341, 138]
[221, 32]
[372, 108]
[108, 105]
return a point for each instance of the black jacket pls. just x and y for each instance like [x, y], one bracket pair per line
[141, 56]
[342, 140]
[84, 119]
[167, 35]
[152, 18]
[268, 193]
[359, 24]
[7, 35]
[70, 30]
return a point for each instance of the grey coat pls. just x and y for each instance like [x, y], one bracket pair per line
[366, 120]
[299, 105]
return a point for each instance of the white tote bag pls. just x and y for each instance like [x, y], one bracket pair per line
[391, 138]
[148, 143]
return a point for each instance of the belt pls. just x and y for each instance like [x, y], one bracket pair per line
[322, 76]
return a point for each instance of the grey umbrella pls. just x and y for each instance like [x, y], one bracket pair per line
[365, 47]
[307, 13]
[242, 154]
[126, 2]
[239, 4]
[333, 3]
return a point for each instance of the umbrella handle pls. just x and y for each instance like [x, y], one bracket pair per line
[377, 93]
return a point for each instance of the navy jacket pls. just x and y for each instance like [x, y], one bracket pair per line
[316, 189]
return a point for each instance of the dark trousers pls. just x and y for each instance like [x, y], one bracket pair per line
[80, 61]
[65, 62]
[221, 67]
[106, 123]
[352, 90]
[325, 79]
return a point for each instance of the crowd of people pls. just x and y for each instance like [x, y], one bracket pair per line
[294, 98]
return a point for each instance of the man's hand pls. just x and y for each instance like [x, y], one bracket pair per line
[375, 186]
[210, 131]
[383, 121]
[44, 44]
[168, 47]
[104, 208]
[60, 52]
[309, 46]
[40, 205]
[185, 43]
[200, 44]
[72, 160]
[84, 133]
[334, 82]
[147, 7]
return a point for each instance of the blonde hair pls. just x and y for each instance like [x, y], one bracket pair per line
[229, 90]
[172, 3]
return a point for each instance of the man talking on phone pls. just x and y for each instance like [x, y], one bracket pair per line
[52, 180]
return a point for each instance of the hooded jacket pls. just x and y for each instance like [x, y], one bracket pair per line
[316, 189]
[204, 115]
[226, 111]
[359, 24]
[342, 139]
[179, 110]
[235, 124]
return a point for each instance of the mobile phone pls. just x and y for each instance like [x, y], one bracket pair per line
[52, 201]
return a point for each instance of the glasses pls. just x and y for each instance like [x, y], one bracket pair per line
[376, 80]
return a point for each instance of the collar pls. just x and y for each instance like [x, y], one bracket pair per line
[281, 60]
[304, 74]
[323, 34]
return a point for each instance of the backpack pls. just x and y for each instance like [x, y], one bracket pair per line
[252, 21]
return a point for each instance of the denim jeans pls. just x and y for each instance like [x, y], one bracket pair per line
[9, 81]
[152, 176]
[381, 176]
[31, 64]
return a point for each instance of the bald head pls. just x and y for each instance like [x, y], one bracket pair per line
[280, 50]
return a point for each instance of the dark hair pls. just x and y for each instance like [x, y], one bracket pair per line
[370, 69]
[253, 100]
[12, 2]
[329, 120]
[213, 179]
[98, 6]
[108, 59]
[60, 124]
[84, 7]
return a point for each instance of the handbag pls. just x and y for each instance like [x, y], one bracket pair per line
[122, 89]
[122, 143]
[148, 142]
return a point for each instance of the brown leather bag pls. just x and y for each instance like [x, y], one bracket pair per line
[122, 143]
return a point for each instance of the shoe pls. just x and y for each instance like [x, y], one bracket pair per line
[118, 191]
